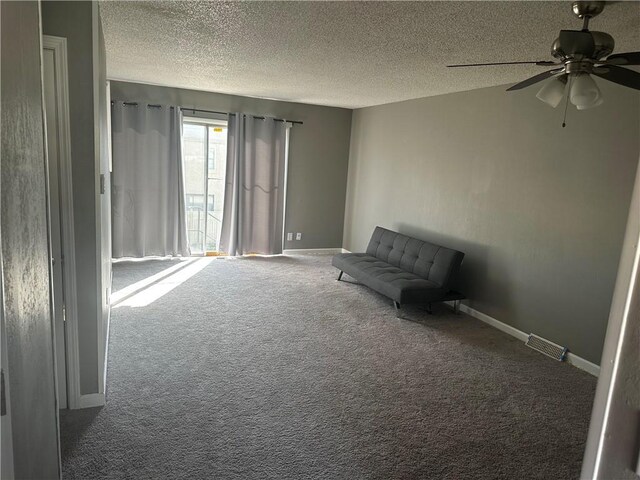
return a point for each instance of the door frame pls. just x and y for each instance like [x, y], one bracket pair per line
[6, 435]
[612, 443]
[59, 47]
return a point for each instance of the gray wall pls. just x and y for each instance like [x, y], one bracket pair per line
[25, 247]
[538, 209]
[74, 21]
[318, 155]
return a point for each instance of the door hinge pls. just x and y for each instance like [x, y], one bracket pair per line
[102, 183]
[3, 399]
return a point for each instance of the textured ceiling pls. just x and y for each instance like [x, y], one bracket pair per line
[347, 54]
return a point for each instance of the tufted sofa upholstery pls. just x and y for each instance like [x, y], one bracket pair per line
[402, 268]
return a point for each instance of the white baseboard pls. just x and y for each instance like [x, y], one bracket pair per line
[313, 251]
[514, 332]
[92, 400]
[583, 364]
[573, 359]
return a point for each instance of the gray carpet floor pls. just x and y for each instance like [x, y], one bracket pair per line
[261, 368]
[126, 272]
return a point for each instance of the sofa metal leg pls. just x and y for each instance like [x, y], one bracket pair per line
[456, 307]
[429, 311]
[340, 275]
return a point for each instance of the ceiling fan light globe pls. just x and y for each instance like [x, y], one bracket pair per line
[584, 91]
[597, 103]
[552, 92]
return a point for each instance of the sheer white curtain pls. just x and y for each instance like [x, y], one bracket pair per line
[147, 197]
[254, 189]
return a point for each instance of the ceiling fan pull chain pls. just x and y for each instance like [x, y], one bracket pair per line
[566, 103]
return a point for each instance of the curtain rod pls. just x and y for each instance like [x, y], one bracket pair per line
[194, 110]
[228, 113]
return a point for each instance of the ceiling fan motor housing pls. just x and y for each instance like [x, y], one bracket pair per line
[604, 44]
[579, 45]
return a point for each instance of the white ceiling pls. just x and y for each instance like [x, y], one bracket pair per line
[347, 54]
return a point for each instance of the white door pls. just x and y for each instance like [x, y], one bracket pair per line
[51, 103]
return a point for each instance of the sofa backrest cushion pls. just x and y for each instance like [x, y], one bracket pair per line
[432, 262]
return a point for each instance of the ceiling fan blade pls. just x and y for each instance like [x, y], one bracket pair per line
[629, 58]
[619, 75]
[577, 42]
[544, 63]
[535, 79]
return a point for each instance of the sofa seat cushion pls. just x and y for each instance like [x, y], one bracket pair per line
[391, 281]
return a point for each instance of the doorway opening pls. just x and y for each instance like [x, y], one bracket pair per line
[205, 162]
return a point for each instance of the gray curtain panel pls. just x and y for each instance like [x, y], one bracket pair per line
[254, 189]
[147, 197]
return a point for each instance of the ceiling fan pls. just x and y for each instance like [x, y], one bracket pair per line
[580, 54]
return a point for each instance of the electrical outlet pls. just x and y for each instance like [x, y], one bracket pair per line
[289, 237]
[298, 236]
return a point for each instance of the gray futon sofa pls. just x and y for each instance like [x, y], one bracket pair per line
[405, 269]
